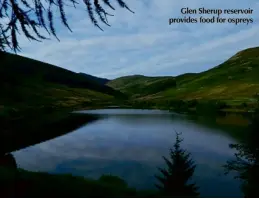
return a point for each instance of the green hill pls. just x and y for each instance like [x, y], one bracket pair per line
[235, 79]
[139, 85]
[29, 83]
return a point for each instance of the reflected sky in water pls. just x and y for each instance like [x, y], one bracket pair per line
[131, 143]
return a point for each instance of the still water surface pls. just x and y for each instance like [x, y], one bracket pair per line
[130, 143]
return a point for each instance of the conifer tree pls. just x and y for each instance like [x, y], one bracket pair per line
[175, 179]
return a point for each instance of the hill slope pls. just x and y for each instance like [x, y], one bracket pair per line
[237, 78]
[27, 82]
[139, 85]
[97, 80]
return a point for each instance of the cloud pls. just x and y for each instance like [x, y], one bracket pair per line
[144, 42]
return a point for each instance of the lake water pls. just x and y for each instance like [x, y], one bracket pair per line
[130, 143]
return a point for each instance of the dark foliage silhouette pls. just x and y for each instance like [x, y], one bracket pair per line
[8, 165]
[115, 180]
[175, 179]
[8, 161]
[28, 17]
[246, 161]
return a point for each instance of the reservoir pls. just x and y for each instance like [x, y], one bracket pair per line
[130, 143]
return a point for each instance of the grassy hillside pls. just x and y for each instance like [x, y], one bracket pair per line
[138, 85]
[235, 79]
[27, 82]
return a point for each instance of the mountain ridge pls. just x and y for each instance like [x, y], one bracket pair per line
[33, 83]
[237, 77]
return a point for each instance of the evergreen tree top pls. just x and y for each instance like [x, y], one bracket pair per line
[175, 178]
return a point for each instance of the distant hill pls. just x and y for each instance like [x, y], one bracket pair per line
[97, 80]
[139, 85]
[27, 82]
[237, 78]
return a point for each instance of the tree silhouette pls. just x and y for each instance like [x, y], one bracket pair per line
[29, 16]
[174, 181]
[246, 161]
[8, 167]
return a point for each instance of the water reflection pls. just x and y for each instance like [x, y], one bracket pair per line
[132, 147]
[20, 133]
[246, 162]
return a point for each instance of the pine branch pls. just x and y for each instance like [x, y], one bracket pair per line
[30, 18]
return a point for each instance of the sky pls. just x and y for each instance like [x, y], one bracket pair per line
[144, 43]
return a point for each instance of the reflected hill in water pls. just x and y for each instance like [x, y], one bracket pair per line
[36, 128]
[235, 124]
[232, 123]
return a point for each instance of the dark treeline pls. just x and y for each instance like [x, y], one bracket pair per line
[192, 106]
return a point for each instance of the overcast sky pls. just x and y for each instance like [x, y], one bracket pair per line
[144, 42]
